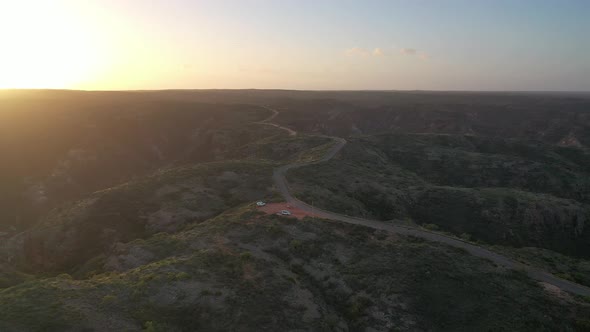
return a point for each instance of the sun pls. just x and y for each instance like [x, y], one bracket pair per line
[45, 44]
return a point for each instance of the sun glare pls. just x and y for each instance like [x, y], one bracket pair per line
[45, 45]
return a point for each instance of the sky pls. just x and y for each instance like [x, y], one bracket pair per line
[296, 44]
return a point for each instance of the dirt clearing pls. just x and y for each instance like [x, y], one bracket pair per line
[274, 208]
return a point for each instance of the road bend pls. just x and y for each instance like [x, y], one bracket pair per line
[280, 180]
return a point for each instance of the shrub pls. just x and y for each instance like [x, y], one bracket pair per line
[357, 307]
[295, 244]
[182, 276]
[109, 299]
[583, 324]
[246, 255]
[297, 268]
[149, 327]
[465, 236]
[332, 321]
[431, 227]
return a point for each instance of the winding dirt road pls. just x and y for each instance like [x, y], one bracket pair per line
[282, 185]
[270, 118]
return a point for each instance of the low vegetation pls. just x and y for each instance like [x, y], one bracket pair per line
[164, 202]
[495, 191]
[134, 211]
[245, 271]
[566, 267]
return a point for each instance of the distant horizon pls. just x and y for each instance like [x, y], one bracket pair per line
[298, 90]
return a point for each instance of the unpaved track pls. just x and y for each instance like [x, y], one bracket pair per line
[282, 185]
[268, 123]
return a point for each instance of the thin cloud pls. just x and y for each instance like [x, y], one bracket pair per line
[408, 51]
[357, 51]
[414, 52]
[381, 52]
[424, 56]
[378, 52]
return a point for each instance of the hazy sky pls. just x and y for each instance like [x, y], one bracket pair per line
[319, 44]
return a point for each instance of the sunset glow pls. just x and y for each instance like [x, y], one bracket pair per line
[48, 47]
[118, 45]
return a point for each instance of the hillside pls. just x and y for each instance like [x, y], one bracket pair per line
[59, 149]
[135, 211]
[245, 271]
[492, 190]
[73, 234]
[560, 119]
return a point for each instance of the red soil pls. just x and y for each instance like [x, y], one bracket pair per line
[274, 208]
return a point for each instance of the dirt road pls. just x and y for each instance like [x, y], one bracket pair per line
[283, 187]
[270, 118]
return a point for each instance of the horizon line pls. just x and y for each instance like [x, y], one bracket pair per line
[294, 90]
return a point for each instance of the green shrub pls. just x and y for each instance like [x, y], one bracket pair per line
[246, 255]
[583, 324]
[565, 276]
[465, 236]
[107, 299]
[357, 307]
[182, 276]
[431, 227]
[332, 321]
[295, 244]
[149, 327]
[297, 268]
